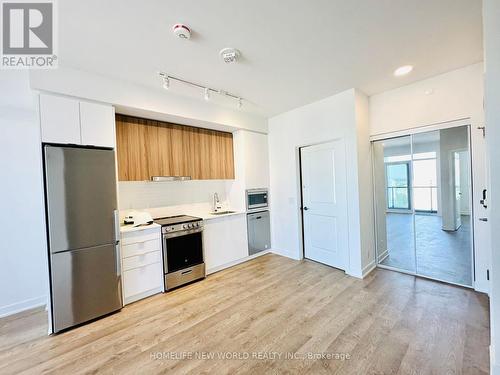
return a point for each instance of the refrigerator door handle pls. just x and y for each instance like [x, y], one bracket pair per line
[118, 259]
[116, 220]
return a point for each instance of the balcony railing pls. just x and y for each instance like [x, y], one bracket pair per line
[424, 198]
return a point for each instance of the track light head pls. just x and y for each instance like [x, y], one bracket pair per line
[166, 82]
[207, 93]
[240, 103]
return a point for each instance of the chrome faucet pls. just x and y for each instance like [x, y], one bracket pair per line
[217, 205]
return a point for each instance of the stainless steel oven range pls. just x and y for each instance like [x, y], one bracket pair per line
[183, 260]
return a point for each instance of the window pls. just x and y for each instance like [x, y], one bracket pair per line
[425, 185]
[398, 191]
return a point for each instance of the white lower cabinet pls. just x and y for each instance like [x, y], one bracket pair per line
[142, 263]
[224, 241]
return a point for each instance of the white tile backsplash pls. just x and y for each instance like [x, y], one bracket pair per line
[142, 194]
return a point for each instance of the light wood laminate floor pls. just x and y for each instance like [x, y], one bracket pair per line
[388, 323]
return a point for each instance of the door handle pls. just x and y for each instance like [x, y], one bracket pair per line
[118, 260]
[116, 223]
[483, 219]
[306, 208]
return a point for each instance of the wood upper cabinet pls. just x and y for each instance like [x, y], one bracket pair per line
[148, 148]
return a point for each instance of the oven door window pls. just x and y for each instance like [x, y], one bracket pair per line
[257, 199]
[184, 251]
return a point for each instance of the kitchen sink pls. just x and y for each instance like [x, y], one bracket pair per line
[222, 212]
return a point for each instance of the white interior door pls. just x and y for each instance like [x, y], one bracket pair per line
[324, 194]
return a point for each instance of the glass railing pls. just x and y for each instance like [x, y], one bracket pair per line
[424, 198]
[398, 198]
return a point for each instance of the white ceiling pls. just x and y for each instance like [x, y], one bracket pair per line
[294, 51]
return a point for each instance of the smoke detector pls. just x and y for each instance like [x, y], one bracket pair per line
[230, 55]
[182, 31]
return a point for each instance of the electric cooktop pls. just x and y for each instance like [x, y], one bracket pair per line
[179, 219]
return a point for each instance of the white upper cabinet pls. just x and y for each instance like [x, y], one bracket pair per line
[71, 121]
[60, 119]
[97, 124]
[257, 161]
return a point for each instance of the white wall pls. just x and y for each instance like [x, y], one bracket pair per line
[145, 102]
[491, 15]
[455, 95]
[328, 119]
[365, 178]
[23, 265]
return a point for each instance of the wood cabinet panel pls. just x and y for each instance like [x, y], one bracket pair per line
[148, 148]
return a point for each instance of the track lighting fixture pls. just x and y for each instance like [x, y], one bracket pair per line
[166, 82]
[206, 90]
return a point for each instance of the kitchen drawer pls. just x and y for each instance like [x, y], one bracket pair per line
[141, 260]
[140, 280]
[140, 236]
[140, 248]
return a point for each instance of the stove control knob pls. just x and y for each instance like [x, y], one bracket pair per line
[184, 226]
[190, 225]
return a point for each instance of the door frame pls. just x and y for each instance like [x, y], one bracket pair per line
[301, 203]
[411, 132]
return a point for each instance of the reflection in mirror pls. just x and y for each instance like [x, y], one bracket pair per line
[392, 176]
[423, 204]
[442, 187]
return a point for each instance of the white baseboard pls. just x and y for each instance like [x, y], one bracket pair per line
[21, 306]
[369, 268]
[286, 254]
[235, 262]
[383, 255]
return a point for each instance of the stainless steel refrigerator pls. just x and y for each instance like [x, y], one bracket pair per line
[83, 234]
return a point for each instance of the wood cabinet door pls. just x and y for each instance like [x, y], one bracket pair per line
[148, 148]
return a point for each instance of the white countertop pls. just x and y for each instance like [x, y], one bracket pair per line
[126, 228]
[210, 216]
[201, 210]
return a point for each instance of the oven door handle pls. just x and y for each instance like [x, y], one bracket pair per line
[183, 233]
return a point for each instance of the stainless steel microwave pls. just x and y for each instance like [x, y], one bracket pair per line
[257, 199]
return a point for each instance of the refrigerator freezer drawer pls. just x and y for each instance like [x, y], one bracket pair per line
[85, 285]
